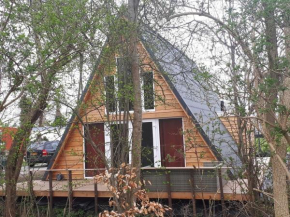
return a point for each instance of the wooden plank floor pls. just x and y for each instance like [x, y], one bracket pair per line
[85, 188]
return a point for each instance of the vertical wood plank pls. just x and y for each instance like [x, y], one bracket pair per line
[193, 193]
[167, 173]
[70, 190]
[50, 194]
[96, 196]
[142, 179]
[222, 192]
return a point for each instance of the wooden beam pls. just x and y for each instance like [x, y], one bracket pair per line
[50, 194]
[222, 192]
[153, 195]
[193, 193]
[96, 197]
[70, 191]
[167, 173]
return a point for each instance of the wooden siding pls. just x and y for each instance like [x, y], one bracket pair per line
[231, 124]
[71, 156]
[166, 106]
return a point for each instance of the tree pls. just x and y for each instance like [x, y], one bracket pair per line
[38, 41]
[259, 32]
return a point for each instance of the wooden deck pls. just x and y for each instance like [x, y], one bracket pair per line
[80, 188]
[85, 188]
[171, 183]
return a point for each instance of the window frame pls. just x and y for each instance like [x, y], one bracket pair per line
[156, 141]
[116, 88]
[143, 92]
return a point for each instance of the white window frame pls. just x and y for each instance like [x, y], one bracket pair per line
[107, 132]
[156, 141]
[84, 148]
[142, 91]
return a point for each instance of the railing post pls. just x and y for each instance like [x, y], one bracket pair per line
[193, 192]
[222, 192]
[96, 196]
[50, 194]
[142, 179]
[167, 173]
[70, 192]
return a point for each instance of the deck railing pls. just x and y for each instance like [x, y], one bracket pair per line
[70, 187]
[187, 179]
[173, 179]
[204, 179]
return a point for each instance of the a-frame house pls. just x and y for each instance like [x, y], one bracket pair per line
[180, 122]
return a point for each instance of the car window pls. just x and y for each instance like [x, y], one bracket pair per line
[54, 144]
[48, 146]
[37, 145]
[51, 145]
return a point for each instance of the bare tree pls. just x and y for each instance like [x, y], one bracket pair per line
[38, 40]
[256, 31]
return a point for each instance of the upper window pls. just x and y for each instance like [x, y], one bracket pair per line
[110, 94]
[125, 85]
[148, 90]
[119, 89]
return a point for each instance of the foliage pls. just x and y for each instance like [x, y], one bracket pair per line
[126, 181]
[248, 56]
[39, 42]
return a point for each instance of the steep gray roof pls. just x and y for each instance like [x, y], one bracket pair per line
[200, 103]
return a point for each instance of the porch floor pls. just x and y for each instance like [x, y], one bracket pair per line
[85, 188]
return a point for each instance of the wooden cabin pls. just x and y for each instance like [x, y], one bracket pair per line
[181, 129]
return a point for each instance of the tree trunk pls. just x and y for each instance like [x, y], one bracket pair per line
[19, 145]
[137, 120]
[281, 205]
[13, 167]
[134, 60]
[279, 182]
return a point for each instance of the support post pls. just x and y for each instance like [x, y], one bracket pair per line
[142, 179]
[50, 194]
[192, 192]
[222, 192]
[96, 196]
[167, 173]
[70, 191]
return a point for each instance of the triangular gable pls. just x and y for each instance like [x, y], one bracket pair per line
[170, 77]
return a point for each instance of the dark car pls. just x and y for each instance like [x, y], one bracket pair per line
[40, 152]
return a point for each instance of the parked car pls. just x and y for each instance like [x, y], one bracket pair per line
[40, 152]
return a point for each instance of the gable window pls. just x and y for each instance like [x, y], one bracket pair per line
[119, 89]
[110, 94]
[148, 90]
[125, 84]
